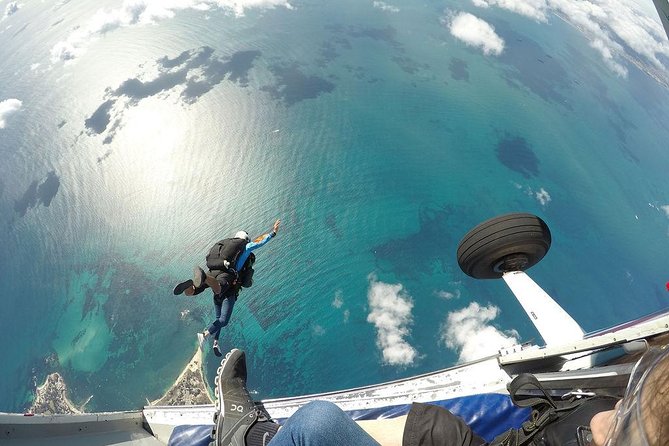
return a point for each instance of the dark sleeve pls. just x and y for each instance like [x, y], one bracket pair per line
[429, 425]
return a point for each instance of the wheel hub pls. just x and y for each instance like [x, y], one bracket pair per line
[512, 262]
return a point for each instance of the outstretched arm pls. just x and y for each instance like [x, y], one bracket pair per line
[261, 240]
[257, 243]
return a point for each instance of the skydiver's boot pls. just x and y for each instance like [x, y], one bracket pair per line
[216, 348]
[200, 277]
[237, 420]
[183, 286]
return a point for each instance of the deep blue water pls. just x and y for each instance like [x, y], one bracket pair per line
[375, 136]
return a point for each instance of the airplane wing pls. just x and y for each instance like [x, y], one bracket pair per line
[662, 7]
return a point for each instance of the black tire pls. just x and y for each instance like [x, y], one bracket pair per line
[511, 242]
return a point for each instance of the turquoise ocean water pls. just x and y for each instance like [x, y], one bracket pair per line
[375, 136]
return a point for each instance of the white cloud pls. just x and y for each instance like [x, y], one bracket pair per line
[391, 315]
[467, 330]
[604, 49]
[543, 197]
[386, 7]
[7, 108]
[612, 27]
[535, 9]
[239, 6]
[665, 208]
[338, 300]
[476, 32]
[143, 12]
[448, 295]
[11, 8]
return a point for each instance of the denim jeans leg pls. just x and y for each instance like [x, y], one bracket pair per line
[214, 328]
[321, 423]
[226, 312]
[223, 313]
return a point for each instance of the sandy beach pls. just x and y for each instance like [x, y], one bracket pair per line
[189, 388]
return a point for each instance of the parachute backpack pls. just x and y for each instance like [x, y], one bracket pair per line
[224, 254]
[246, 273]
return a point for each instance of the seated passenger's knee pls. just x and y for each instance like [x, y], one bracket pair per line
[321, 410]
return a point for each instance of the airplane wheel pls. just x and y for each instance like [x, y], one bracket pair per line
[511, 242]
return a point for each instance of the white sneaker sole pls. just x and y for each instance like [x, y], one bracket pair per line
[217, 384]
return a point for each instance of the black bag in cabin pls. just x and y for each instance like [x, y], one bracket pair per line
[553, 422]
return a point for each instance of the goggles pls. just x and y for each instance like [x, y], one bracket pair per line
[629, 428]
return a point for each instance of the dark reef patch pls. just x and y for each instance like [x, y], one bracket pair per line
[386, 34]
[234, 69]
[516, 154]
[106, 155]
[48, 189]
[38, 193]
[530, 66]
[331, 225]
[424, 252]
[28, 200]
[459, 69]
[293, 86]
[328, 53]
[408, 65]
[586, 78]
[194, 73]
[267, 312]
[198, 70]
[100, 118]
[90, 303]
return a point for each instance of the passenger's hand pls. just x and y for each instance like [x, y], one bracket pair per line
[276, 226]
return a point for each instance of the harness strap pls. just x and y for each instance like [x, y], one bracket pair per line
[544, 411]
[526, 380]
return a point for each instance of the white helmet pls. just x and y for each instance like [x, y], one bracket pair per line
[242, 234]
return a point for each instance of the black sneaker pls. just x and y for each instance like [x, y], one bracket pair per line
[183, 286]
[217, 349]
[233, 402]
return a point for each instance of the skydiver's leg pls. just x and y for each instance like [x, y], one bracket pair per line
[222, 320]
[222, 281]
[212, 328]
[200, 282]
[200, 279]
[188, 288]
[215, 326]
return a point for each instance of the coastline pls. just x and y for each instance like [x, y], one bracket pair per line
[190, 387]
[51, 398]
